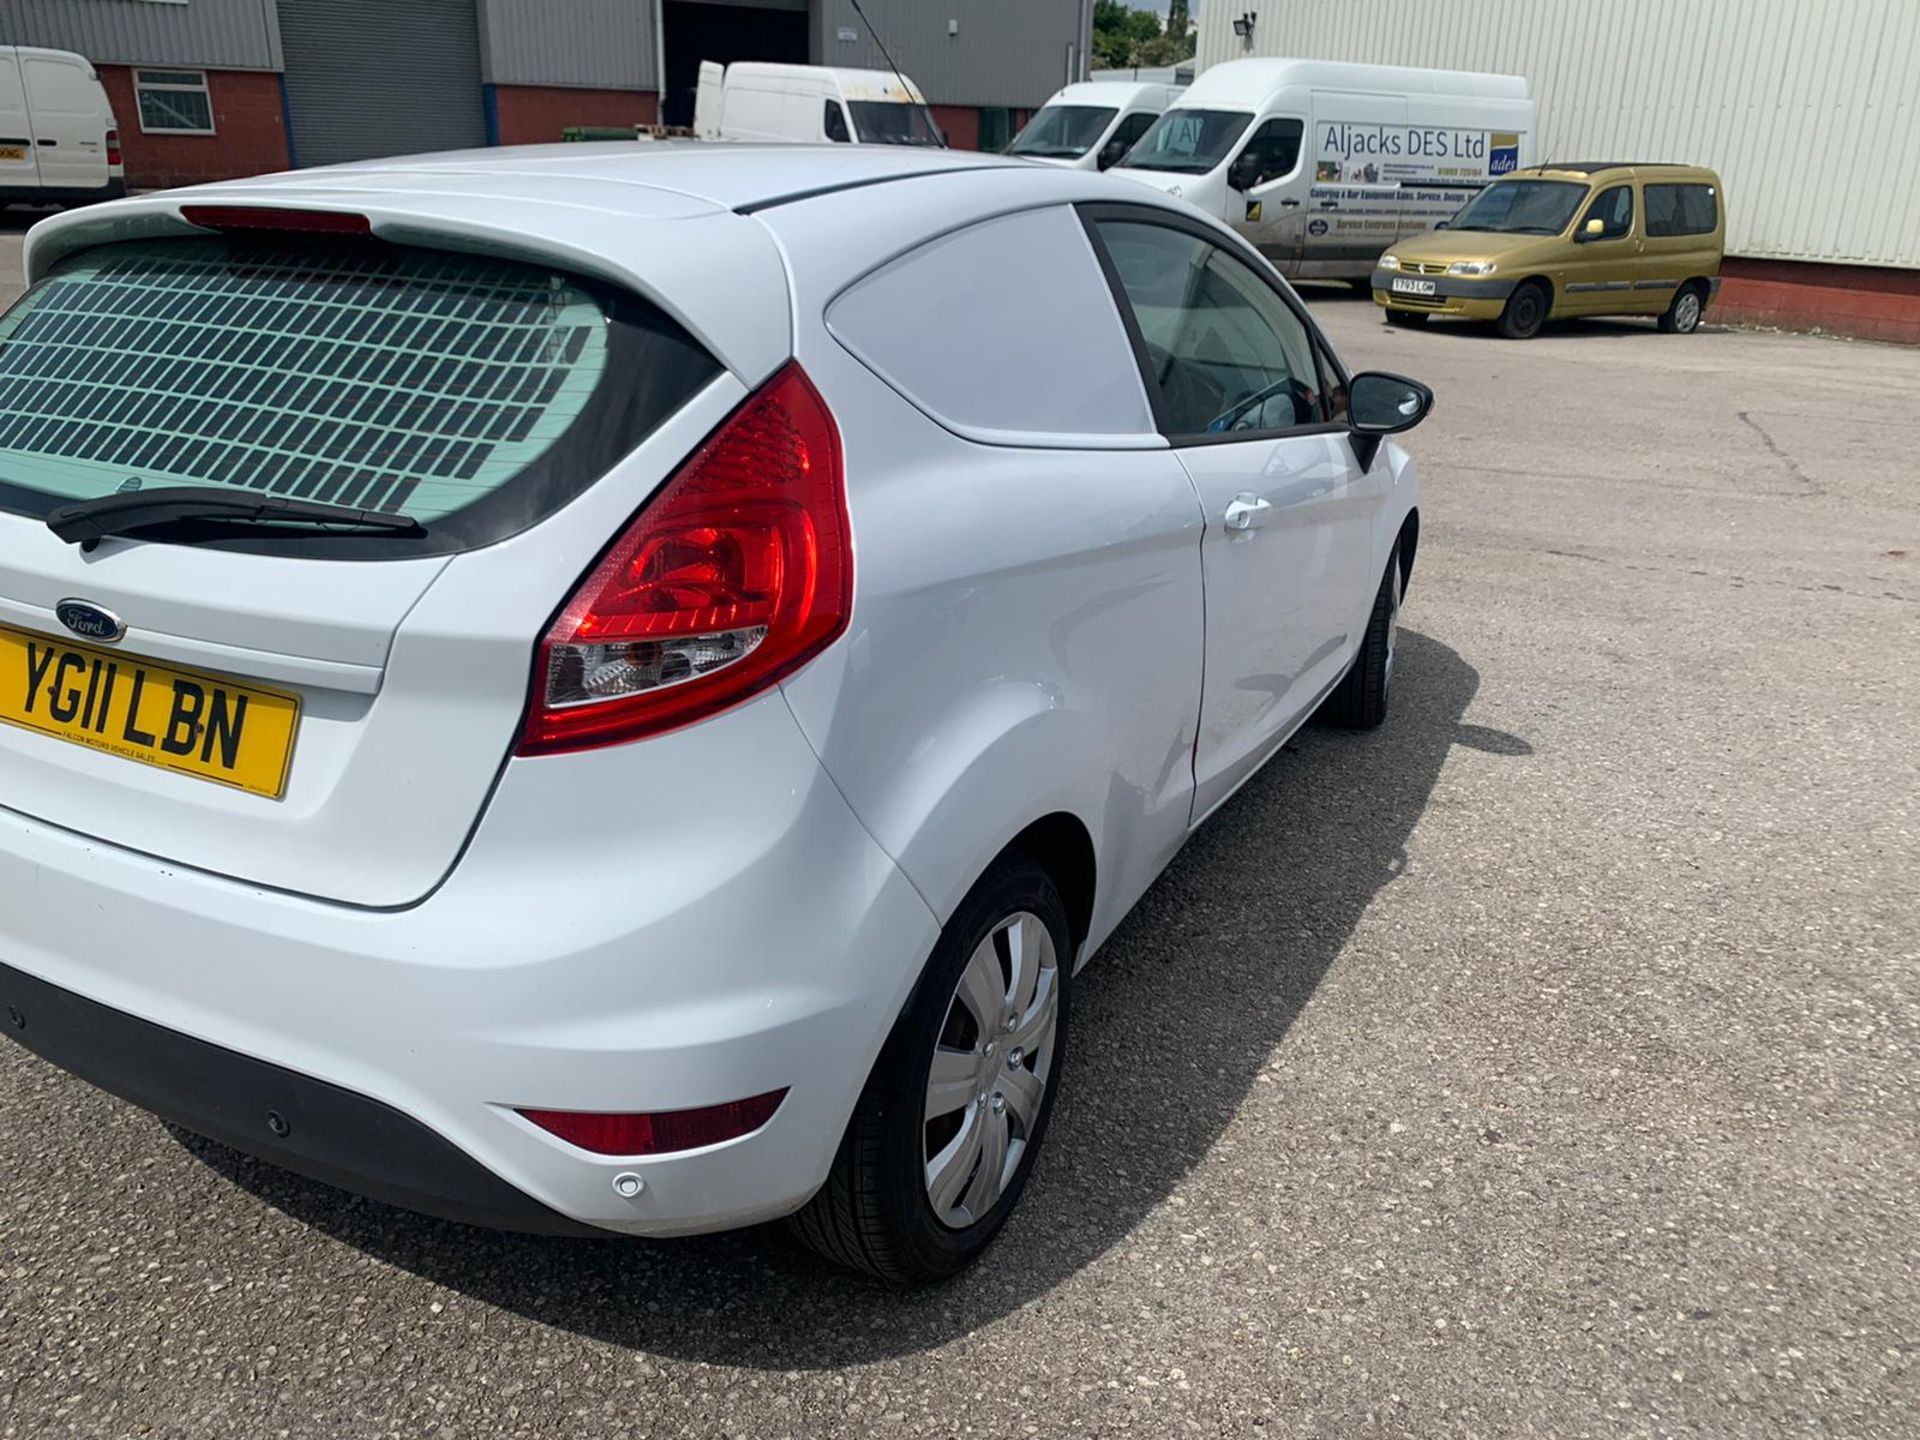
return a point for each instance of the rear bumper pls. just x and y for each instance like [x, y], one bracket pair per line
[114, 189]
[676, 923]
[270, 1112]
[1475, 299]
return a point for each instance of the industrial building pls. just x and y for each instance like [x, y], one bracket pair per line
[206, 89]
[1808, 109]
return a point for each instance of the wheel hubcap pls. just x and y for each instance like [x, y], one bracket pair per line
[1686, 312]
[983, 1097]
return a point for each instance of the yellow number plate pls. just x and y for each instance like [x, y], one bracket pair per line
[13, 152]
[202, 725]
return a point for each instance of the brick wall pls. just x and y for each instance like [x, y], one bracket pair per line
[250, 131]
[535, 114]
[1870, 302]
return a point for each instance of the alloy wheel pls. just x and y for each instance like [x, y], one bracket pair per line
[990, 1069]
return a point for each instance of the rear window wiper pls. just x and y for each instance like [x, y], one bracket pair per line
[84, 522]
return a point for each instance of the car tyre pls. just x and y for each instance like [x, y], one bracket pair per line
[1407, 317]
[1683, 312]
[1359, 701]
[889, 1207]
[1526, 311]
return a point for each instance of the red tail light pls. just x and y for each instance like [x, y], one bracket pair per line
[113, 147]
[662, 1132]
[737, 573]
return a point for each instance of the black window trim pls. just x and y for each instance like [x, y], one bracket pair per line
[1092, 213]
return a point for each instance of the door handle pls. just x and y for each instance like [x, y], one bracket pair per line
[1289, 204]
[1245, 511]
[46, 142]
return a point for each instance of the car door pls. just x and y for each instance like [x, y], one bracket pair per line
[1253, 406]
[69, 133]
[1271, 187]
[1601, 273]
[18, 170]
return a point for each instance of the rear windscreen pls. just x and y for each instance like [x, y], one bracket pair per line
[471, 393]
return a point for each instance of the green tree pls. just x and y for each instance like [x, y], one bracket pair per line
[1177, 19]
[1119, 32]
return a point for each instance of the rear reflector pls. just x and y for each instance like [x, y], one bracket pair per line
[737, 573]
[266, 217]
[662, 1132]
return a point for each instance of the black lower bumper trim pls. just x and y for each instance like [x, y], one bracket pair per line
[298, 1123]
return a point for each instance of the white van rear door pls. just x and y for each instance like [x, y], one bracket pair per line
[65, 105]
[17, 168]
[1360, 155]
[707, 101]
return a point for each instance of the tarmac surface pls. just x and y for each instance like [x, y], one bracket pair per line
[1541, 1064]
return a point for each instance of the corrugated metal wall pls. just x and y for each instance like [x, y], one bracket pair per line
[1007, 52]
[381, 77]
[1809, 109]
[607, 44]
[216, 34]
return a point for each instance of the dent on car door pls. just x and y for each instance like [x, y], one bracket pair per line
[1237, 385]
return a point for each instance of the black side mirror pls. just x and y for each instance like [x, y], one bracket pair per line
[1379, 405]
[1244, 173]
[1112, 153]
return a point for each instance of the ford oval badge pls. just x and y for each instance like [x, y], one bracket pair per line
[90, 622]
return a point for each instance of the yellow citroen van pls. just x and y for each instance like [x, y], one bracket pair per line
[1581, 238]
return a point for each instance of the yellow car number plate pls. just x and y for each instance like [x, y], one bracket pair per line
[207, 726]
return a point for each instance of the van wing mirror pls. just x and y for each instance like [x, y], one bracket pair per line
[1244, 173]
[1593, 229]
[1112, 153]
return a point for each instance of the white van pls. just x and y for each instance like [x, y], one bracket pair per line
[1091, 125]
[806, 104]
[1323, 165]
[59, 143]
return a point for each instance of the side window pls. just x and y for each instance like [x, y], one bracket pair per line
[1132, 128]
[1005, 332]
[1613, 207]
[1682, 210]
[837, 123]
[1275, 148]
[1226, 352]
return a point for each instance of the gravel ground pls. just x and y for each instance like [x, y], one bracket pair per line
[1543, 1064]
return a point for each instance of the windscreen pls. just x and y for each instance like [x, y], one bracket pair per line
[893, 122]
[1521, 207]
[363, 374]
[1188, 142]
[1063, 132]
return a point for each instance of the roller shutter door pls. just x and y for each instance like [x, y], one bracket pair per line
[381, 77]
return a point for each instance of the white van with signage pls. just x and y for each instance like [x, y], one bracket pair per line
[1323, 164]
[59, 143]
[1093, 124]
[810, 104]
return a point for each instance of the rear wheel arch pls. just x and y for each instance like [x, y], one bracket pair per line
[1061, 845]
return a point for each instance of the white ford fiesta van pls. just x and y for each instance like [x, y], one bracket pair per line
[59, 143]
[1322, 165]
[1091, 125]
